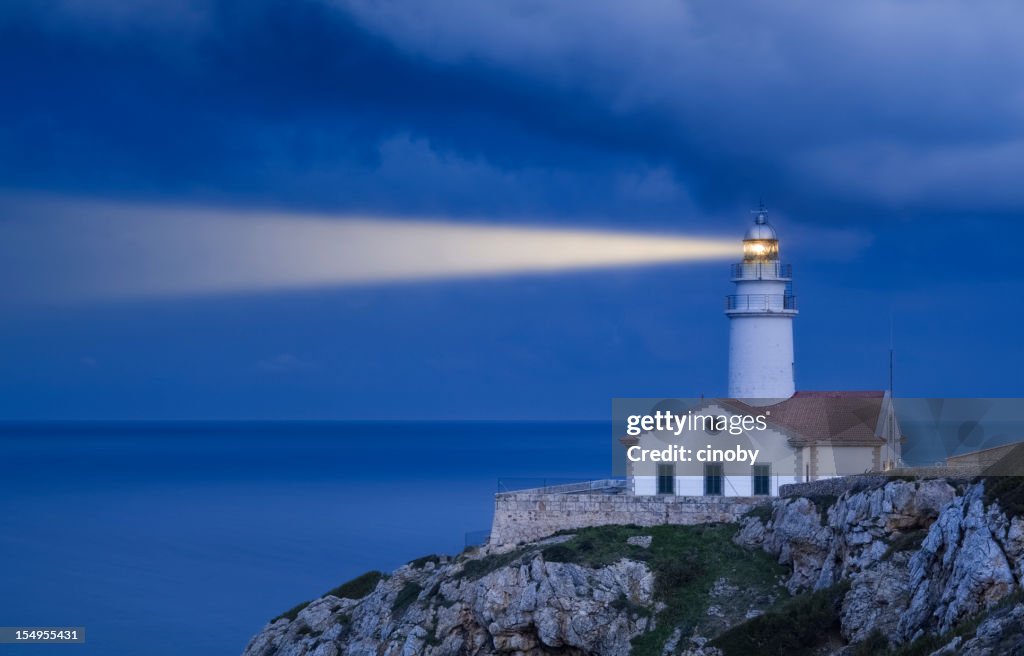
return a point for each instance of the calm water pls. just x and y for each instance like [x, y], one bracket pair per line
[185, 538]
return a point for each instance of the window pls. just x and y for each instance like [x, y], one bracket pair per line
[666, 479]
[762, 480]
[713, 476]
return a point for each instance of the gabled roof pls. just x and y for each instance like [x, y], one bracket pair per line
[842, 418]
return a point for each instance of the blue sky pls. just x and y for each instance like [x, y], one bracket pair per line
[886, 137]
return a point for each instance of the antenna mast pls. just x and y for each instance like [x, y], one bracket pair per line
[761, 212]
[892, 437]
[891, 365]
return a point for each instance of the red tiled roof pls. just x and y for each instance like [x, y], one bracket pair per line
[837, 417]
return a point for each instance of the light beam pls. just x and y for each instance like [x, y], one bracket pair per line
[121, 252]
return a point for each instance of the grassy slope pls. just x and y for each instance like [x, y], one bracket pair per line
[687, 561]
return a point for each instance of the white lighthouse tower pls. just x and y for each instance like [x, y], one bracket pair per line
[761, 320]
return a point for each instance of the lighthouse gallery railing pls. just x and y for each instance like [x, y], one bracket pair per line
[760, 302]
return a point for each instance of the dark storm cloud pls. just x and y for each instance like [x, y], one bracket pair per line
[287, 102]
[885, 136]
[884, 103]
[658, 108]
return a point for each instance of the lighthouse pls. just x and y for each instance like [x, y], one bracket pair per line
[761, 312]
[806, 436]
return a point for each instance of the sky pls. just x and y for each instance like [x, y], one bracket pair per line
[886, 139]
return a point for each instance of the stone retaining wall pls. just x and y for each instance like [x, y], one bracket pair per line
[527, 516]
[834, 486]
[840, 485]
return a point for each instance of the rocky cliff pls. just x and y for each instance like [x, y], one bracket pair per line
[917, 566]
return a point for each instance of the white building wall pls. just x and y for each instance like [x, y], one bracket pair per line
[690, 485]
[645, 485]
[736, 485]
[843, 460]
[773, 449]
[739, 486]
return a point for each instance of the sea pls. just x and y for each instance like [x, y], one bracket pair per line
[185, 538]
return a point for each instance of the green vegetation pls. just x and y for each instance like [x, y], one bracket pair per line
[601, 546]
[473, 569]
[876, 643]
[625, 604]
[910, 541]
[408, 594]
[559, 553]
[292, 613]
[358, 587]
[931, 642]
[798, 626]
[823, 502]
[686, 561]
[433, 639]
[762, 512]
[1008, 492]
[420, 562]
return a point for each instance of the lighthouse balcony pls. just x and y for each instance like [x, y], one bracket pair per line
[760, 303]
[769, 270]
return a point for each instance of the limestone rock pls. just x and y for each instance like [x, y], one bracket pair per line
[961, 567]
[525, 608]
[825, 543]
[920, 557]
[1001, 633]
[876, 600]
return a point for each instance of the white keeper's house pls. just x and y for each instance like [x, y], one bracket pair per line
[809, 435]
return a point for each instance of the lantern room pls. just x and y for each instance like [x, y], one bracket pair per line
[760, 243]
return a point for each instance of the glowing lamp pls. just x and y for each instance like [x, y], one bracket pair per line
[760, 243]
[760, 250]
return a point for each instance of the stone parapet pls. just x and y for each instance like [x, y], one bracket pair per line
[521, 517]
